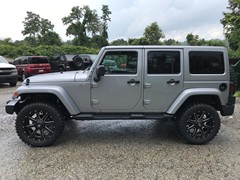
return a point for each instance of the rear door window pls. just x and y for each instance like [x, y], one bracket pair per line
[163, 62]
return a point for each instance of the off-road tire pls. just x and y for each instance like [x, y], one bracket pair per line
[198, 123]
[78, 63]
[39, 124]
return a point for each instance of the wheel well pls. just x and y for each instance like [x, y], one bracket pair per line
[212, 100]
[43, 97]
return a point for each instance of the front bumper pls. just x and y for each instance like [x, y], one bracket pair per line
[8, 78]
[11, 105]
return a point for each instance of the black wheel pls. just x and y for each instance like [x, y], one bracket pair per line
[23, 76]
[39, 124]
[12, 84]
[198, 123]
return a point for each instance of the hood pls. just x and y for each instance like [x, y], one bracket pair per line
[69, 76]
[6, 65]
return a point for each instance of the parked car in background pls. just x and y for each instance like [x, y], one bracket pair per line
[69, 62]
[8, 72]
[32, 65]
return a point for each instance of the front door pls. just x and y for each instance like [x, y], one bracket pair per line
[120, 88]
[163, 78]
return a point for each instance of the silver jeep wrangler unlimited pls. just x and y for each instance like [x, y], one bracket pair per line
[186, 84]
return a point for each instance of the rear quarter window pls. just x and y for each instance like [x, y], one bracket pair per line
[206, 62]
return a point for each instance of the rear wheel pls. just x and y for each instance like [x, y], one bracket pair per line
[39, 124]
[198, 123]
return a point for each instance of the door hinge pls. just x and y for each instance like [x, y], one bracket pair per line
[147, 101]
[95, 101]
[147, 85]
[94, 85]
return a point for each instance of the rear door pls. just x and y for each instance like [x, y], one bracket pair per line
[163, 78]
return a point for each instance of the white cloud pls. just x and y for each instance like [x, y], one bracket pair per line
[176, 18]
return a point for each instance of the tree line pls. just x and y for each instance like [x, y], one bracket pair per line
[90, 33]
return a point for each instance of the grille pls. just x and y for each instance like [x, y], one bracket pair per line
[5, 71]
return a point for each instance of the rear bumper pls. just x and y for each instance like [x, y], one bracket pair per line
[228, 109]
[10, 106]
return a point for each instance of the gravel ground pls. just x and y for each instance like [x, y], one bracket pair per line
[119, 150]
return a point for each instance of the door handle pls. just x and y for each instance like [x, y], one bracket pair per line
[173, 82]
[133, 82]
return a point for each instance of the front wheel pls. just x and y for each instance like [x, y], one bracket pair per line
[198, 123]
[39, 124]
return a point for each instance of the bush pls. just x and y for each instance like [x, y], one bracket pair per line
[13, 51]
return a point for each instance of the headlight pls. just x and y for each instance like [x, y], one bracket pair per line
[14, 71]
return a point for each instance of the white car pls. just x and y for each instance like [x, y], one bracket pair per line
[8, 72]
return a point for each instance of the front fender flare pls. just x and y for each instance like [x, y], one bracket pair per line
[58, 91]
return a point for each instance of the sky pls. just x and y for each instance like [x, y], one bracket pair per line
[129, 18]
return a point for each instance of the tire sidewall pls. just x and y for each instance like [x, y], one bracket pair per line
[182, 123]
[52, 111]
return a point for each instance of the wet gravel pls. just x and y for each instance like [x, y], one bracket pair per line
[134, 149]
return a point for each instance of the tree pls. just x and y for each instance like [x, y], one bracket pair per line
[45, 26]
[7, 41]
[39, 31]
[50, 38]
[31, 27]
[215, 42]
[231, 24]
[140, 41]
[81, 21]
[153, 33]
[171, 42]
[194, 40]
[99, 41]
[105, 18]
[119, 42]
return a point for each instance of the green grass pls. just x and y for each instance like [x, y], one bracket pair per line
[237, 94]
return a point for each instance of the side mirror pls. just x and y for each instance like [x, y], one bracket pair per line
[99, 72]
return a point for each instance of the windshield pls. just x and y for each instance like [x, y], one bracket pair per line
[93, 56]
[3, 60]
[69, 56]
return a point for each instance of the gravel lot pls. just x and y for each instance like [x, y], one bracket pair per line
[119, 150]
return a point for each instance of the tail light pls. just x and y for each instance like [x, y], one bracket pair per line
[231, 88]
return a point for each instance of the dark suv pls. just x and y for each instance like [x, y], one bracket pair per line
[68, 62]
[32, 65]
